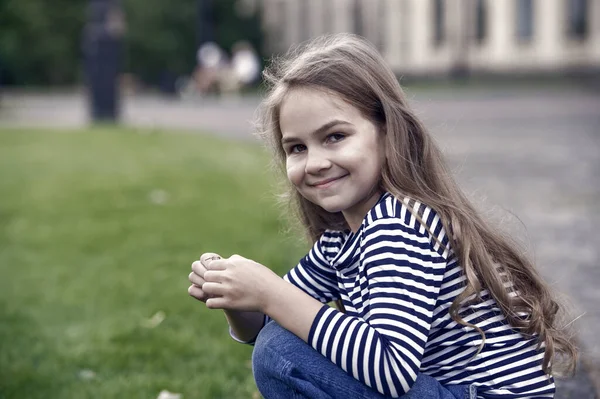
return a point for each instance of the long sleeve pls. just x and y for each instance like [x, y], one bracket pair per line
[400, 277]
[313, 274]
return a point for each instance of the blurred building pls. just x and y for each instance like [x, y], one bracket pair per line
[450, 36]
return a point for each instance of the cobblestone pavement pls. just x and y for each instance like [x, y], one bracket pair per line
[531, 153]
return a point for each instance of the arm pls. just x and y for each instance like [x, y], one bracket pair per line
[313, 283]
[244, 326]
[246, 289]
[312, 276]
[402, 275]
[384, 349]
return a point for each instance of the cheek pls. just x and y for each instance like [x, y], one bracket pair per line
[295, 172]
[355, 159]
[366, 160]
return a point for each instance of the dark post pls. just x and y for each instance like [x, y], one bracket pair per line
[102, 52]
[206, 31]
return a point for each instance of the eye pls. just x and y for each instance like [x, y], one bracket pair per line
[335, 137]
[296, 148]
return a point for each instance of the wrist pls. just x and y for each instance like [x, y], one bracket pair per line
[244, 326]
[292, 308]
[273, 295]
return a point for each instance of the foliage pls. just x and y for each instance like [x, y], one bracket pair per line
[99, 228]
[41, 41]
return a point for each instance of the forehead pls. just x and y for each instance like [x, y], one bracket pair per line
[304, 110]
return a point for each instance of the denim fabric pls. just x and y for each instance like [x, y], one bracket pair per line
[284, 366]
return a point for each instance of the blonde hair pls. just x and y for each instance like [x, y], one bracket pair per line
[414, 167]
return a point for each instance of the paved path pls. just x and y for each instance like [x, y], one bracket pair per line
[535, 153]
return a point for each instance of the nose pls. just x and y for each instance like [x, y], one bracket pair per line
[316, 161]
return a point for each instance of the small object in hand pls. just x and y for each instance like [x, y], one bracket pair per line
[210, 259]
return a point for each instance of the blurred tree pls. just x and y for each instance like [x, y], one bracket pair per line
[160, 37]
[233, 24]
[41, 41]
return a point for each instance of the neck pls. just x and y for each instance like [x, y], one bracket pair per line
[355, 215]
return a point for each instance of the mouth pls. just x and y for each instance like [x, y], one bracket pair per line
[327, 182]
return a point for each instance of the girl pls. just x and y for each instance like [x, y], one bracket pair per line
[436, 303]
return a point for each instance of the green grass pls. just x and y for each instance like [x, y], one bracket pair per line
[98, 229]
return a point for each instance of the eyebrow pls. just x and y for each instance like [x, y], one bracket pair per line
[320, 130]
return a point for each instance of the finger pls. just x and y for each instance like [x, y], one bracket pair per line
[197, 293]
[208, 257]
[215, 276]
[196, 279]
[216, 303]
[198, 268]
[213, 289]
[216, 264]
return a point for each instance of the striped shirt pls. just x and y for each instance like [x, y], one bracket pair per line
[397, 283]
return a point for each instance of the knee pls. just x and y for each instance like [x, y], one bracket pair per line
[268, 362]
[271, 332]
[274, 345]
[271, 338]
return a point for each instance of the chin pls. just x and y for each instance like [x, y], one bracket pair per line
[332, 207]
[332, 210]
[331, 204]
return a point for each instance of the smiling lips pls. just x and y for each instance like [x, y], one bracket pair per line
[326, 182]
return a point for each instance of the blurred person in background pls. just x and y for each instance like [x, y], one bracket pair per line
[242, 71]
[211, 61]
[206, 78]
[245, 63]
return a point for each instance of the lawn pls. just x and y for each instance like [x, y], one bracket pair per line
[99, 228]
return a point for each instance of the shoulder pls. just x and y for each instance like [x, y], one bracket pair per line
[327, 245]
[410, 213]
[410, 216]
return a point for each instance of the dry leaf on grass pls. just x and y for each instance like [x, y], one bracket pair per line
[154, 321]
[164, 394]
[86, 374]
[158, 197]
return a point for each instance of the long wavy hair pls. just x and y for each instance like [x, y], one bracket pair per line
[414, 167]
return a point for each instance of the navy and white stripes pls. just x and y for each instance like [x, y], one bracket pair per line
[397, 283]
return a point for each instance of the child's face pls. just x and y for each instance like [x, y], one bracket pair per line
[334, 154]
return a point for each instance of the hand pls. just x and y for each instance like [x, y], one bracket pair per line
[197, 277]
[235, 283]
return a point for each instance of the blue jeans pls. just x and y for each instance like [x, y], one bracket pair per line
[284, 366]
